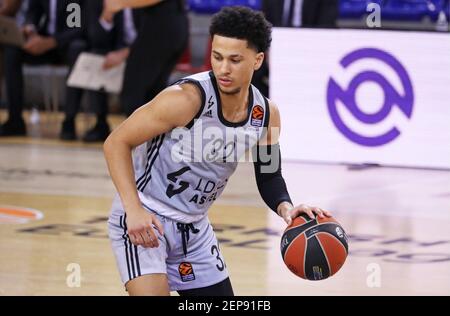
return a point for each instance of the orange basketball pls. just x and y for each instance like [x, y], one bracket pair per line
[314, 249]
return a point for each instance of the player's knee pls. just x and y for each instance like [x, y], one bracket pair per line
[148, 285]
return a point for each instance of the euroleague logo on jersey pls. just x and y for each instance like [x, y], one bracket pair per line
[257, 116]
[186, 272]
[358, 116]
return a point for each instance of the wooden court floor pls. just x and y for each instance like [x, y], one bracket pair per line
[398, 221]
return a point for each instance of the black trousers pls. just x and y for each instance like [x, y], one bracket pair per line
[15, 57]
[320, 13]
[100, 42]
[162, 38]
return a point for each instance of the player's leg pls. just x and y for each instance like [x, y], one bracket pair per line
[149, 285]
[73, 95]
[142, 270]
[196, 261]
[223, 288]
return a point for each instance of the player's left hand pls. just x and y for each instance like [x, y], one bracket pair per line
[289, 213]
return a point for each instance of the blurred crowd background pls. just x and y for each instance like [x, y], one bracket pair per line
[159, 43]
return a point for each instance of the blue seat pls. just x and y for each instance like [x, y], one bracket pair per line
[439, 5]
[198, 6]
[254, 4]
[411, 10]
[213, 6]
[355, 9]
[447, 9]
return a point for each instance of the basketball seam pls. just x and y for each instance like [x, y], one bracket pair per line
[324, 254]
[304, 257]
[306, 248]
[290, 244]
[304, 251]
[339, 242]
[289, 229]
[318, 225]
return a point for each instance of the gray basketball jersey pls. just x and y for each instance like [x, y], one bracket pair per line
[179, 174]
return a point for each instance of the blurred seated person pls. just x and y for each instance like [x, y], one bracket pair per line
[9, 7]
[295, 13]
[301, 13]
[111, 39]
[162, 37]
[49, 40]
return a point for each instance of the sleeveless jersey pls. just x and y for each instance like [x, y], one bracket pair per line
[179, 174]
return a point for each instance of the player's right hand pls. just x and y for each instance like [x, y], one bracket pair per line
[140, 228]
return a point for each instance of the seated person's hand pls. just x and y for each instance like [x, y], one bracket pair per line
[111, 7]
[115, 58]
[28, 30]
[38, 45]
[107, 16]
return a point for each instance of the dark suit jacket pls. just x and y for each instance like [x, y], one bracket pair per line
[98, 38]
[315, 13]
[38, 14]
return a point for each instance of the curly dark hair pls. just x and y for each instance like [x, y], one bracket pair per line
[245, 24]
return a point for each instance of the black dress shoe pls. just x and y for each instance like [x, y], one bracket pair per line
[68, 130]
[97, 134]
[13, 128]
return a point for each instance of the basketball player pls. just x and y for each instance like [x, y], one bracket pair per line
[159, 229]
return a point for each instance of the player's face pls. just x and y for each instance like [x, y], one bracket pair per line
[233, 63]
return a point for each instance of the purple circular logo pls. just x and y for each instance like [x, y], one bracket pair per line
[347, 97]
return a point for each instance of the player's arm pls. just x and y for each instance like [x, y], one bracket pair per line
[176, 106]
[269, 179]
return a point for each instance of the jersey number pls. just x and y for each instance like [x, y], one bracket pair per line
[214, 250]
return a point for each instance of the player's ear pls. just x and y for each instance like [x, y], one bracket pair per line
[259, 60]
